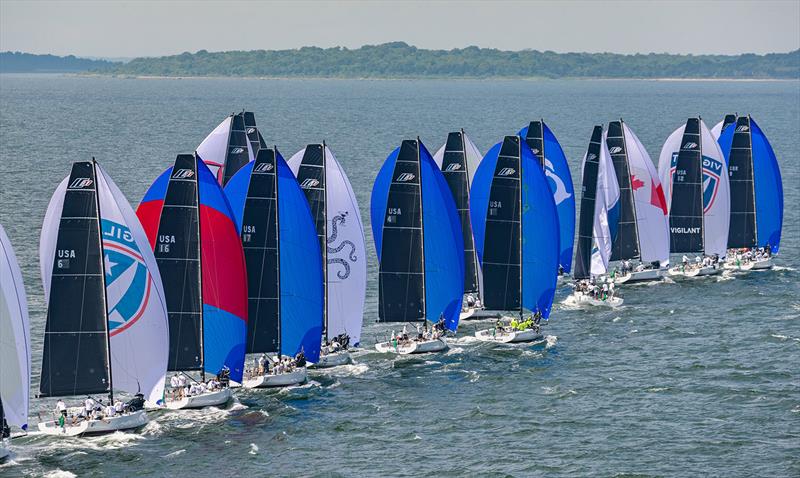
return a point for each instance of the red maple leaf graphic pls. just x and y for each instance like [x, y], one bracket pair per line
[636, 183]
[657, 198]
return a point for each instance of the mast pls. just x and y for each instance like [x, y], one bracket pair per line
[702, 200]
[200, 273]
[278, 249]
[471, 237]
[103, 275]
[519, 156]
[324, 244]
[422, 238]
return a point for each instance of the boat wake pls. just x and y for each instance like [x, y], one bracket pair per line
[350, 370]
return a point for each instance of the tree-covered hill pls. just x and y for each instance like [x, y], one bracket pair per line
[16, 62]
[399, 60]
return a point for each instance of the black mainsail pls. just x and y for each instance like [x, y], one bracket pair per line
[401, 278]
[502, 255]
[455, 169]
[76, 358]
[237, 155]
[626, 243]
[742, 232]
[178, 256]
[591, 167]
[686, 213]
[312, 177]
[262, 255]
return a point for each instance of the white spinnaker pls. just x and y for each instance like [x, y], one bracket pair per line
[214, 148]
[15, 338]
[717, 215]
[652, 222]
[49, 236]
[671, 147]
[606, 199]
[717, 130]
[346, 291]
[140, 347]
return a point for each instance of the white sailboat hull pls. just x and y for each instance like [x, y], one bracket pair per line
[207, 399]
[333, 360]
[762, 264]
[695, 272]
[413, 347]
[286, 379]
[639, 276]
[508, 337]
[96, 427]
[580, 299]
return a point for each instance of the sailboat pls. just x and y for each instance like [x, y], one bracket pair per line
[551, 158]
[597, 226]
[106, 326]
[15, 345]
[718, 128]
[515, 222]
[284, 269]
[693, 174]
[756, 191]
[191, 230]
[458, 159]
[341, 240]
[643, 231]
[420, 247]
[229, 146]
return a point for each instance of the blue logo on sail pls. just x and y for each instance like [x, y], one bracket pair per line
[128, 284]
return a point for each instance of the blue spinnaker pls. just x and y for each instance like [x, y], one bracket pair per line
[444, 245]
[559, 180]
[768, 189]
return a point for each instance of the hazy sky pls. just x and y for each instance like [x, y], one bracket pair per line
[146, 28]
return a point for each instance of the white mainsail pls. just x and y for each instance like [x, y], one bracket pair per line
[346, 250]
[137, 313]
[652, 219]
[15, 338]
[606, 211]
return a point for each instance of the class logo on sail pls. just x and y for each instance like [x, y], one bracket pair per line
[263, 168]
[128, 283]
[309, 183]
[237, 150]
[405, 177]
[452, 167]
[80, 183]
[182, 174]
[506, 172]
[615, 150]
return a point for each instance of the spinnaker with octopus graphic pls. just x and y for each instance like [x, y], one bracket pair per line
[341, 237]
[106, 323]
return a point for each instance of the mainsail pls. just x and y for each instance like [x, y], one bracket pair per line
[227, 148]
[515, 223]
[341, 238]
[106, 317]
[418, 239]
[458, 160]
[284, 265]
[253, 134]
[599, 211]
[192, 232]
[551, 158]
[643, 231]
[15, 339]
[718, 128]
[693, 175]
[756, 189]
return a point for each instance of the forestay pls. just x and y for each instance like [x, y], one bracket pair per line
[284, 264]
[756, 188]
[15, 339]
[341, 236]
[458, 159]
[191, 229]
[418, 239]
[515, 223]
[693, 175]
[106, 318]
[551, 157]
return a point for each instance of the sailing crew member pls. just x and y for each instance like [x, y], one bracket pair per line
[88, 405]
[262, 364]
[61, 408]
[300, 359]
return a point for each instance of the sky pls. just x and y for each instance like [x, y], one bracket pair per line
[121, 28]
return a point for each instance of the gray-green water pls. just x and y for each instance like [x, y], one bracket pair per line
[697, 378]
